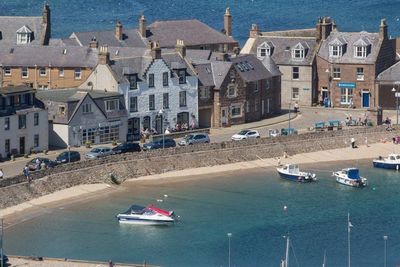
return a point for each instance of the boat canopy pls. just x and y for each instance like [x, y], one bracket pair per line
[160, 211]
[353, 173]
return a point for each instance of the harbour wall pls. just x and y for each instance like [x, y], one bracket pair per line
[118, 168]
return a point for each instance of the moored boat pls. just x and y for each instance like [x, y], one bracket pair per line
[350, 177]
[149, 215]
[292, 172]
[391, 162]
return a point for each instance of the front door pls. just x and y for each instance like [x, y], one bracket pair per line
[22, 145]
[224, 116]
[159, 126]
[262, 107]
[365, 99]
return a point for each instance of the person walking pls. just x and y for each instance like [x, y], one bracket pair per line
[26, 173]
[1, 174]
[366, 141]
[353, 142]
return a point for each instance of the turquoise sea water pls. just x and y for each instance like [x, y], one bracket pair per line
[247, 204]
[77, 15]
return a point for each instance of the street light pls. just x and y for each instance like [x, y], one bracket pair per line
[229, 249]
[1, 244]
[289, 117]
[161, 113]
[396, 94]
[385, 238]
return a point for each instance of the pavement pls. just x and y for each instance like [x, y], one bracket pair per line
[302, 121]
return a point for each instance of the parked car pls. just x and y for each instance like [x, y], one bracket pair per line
[274, 133]
[195, 138]
[288, 131]
[159, 144]
[126, 147]
[246, 134]
[68, 156]
[33, 163]
[98, 152]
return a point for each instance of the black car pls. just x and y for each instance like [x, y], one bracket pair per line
[159, 144]
[126, 147]
[65, 158]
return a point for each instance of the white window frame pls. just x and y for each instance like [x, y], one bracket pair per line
[231, 88]
[346, 94]
[24, 72]
[42, 72]
[336, 73]
[295, 96]
[61, 72]
[263, 50]
[298, 52]
[295, 73]
[111, 105]
[234, 107]
[77, 73]
[360, 51]
[360, 74]
[204, 93]
[87, 108]
[23, 38]
[335, 50]
[7, 71]
[133, 104]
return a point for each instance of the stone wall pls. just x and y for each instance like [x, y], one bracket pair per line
[131, 165]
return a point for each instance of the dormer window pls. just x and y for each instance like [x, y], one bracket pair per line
[298, 52]
[24, 35]
[132, 78]
[265, 49]
[335, 50]
[360, 51]
[361, 47]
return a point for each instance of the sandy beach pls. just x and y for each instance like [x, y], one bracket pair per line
[83, 192]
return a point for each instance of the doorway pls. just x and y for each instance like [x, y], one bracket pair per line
[224, 116]
[22, 145]
[365, 99]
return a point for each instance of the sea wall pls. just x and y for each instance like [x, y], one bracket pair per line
[15, 190]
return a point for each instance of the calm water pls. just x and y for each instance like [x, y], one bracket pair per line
[250, 206]
[78, 15]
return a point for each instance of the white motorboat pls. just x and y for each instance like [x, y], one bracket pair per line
[292, 172]
[350, 177]
[391, 162]
[149, 215]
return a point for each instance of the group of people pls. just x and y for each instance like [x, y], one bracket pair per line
[361, 121]
[146, 132]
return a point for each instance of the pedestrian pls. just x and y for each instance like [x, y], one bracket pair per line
[366, 141]
[37, 162]
[353, 142]
[26, 173]
[279, 161]
[1, 174]
[110, 263]
[296, 107]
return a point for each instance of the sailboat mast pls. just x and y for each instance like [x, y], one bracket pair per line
[287, 251]
[348, 236]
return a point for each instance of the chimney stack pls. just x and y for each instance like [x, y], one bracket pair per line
[254, 31]
[324, 28]
[94, 43]
[180, 47]
[104, 55]
[155, 51]
[383, 29]
[228, 22]
[142, 26]
[46, 21]
[118, 31]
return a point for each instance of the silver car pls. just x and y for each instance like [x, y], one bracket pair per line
[195, 138]
[99, 152]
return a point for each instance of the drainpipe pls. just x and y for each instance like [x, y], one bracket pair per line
[36, 77]
[49, 76]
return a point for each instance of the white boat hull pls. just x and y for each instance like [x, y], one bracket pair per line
[341, 179]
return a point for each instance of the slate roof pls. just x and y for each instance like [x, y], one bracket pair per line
[7, 90]
[282, 48]
[271, 66]
[350, 39]
[391, 74]
[131, 38]
[192, 32]
[250, 68]
[220, 69]
[205, 74]
[30, 56]
[9, 25]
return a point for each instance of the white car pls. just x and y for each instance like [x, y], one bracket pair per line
[274, 133]
[246, 134]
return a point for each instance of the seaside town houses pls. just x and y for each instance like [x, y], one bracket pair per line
[294, 53]
[23, 122]
[348, 64]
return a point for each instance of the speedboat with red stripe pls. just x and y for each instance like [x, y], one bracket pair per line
[149, 215]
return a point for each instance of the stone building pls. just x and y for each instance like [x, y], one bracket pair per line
[387, 85]
[159, 87]
[348, 64]
[46, 67]
[78, 116]
[20, 30]
[194, 33]
[23, 122]
[294, 53]
[237, 90]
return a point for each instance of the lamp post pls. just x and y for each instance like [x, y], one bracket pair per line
[1, 245]
[161, 113]
[290, 103]
[327, 71]
[69, 154]
[396, 94]
[385, 238]
[229, 249]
